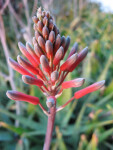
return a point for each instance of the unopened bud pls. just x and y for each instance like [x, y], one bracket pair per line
[49, 48]
[56, 30]
[41, 43]
[58, 56]
[39, 13]
[43, 13]
[35, 19]
[69, 62]
[67, 44]
[30, 80]
[63, 41]
[54, 76]
[51, 25]
[57, 43]
[52, 36]
[45, 64]
[81, 56]
[18, 68]
[73, 50]
[24, 63]
[31, 51]
[18, 96]
[89, 89]
[38, 50]
[48, 14]
[40, 26]
[37, 34]
[45, 32]
[73, 83]
[27, 54]
[45, 21]
[34, 41]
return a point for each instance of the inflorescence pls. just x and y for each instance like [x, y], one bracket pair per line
[43, 66]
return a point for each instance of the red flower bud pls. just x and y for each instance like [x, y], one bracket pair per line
[52, 36]
[35, 19]
[26, 53]
[73, 83]
[40, 26]
[37, 34]
[58, 56]
[56, 30]
[89, 89]
[51, 25]
[45, 21]
[34, 41]
[41, 43]
[31, 51]
[24, 63]
[38, 50]
[48, 14]
[18, 96]
[67, 44]
[18, 68]
[63, 41]
[30, 80]
[45, 32]
[49, 48]
[81, 56]
[57, 43]
[73, 50]
[54, 76]
[45, 64]
[69, 62]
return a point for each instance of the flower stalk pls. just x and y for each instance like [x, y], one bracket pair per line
[50, 125]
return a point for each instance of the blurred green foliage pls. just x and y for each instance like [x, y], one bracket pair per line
[86, 124]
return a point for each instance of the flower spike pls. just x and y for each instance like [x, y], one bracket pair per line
[45, 69]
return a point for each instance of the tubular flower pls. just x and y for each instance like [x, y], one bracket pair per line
[42, 67]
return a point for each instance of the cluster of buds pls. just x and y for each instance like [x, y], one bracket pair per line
[43, 66]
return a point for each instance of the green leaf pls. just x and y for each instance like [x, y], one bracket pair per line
[25, 121]
[105, 134]
[17, 130]
[5, 136]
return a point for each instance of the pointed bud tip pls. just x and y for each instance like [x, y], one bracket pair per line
[101, 83]
[8, 93]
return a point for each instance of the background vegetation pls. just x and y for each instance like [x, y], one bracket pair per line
[86, 124]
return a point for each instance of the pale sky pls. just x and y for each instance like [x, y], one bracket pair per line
[107, 5]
